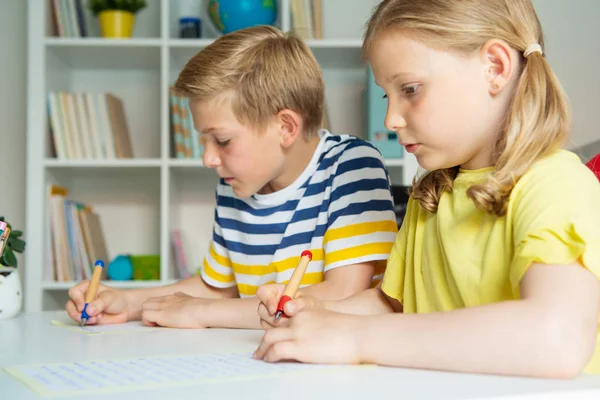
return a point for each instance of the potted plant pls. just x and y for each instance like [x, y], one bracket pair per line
[116, 17]
[10, 283]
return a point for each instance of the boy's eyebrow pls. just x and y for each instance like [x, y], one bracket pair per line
[211, 130]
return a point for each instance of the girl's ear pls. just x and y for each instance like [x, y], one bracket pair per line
[501, 62]
[290, 126]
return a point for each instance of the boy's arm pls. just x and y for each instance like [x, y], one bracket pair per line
[339, 283]
[194, 286]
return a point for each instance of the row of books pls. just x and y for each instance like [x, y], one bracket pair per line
[69, 18]
[307, 18]
[184, 137]
[75, 240]
[88, 126]
[74, 237]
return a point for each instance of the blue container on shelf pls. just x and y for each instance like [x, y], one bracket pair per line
[385, 140]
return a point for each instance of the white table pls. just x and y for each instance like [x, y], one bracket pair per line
[32, 339]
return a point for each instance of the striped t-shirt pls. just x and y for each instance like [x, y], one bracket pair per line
[340, 208]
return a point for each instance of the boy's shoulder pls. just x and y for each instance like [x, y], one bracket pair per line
[346, 148]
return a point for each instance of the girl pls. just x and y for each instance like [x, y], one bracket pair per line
[496, 266]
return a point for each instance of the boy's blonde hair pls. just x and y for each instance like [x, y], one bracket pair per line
[538, 120]
[267, 71]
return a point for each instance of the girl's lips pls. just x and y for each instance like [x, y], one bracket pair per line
[411, 148]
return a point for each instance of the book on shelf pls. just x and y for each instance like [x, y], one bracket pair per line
[74, 237]
[178, 254]
[68, 17]
[307, 18]
[88, 126]
[185, 139]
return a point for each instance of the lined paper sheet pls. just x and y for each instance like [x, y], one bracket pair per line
[121, 375]
[127, 327]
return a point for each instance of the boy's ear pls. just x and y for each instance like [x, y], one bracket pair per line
[500, 62]
[290, 126]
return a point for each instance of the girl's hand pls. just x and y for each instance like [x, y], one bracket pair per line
[175, 311]
[269, 296]
[314, 335]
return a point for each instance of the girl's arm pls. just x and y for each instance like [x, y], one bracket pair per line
[551, 332]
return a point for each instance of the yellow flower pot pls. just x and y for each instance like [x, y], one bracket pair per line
[116, 23]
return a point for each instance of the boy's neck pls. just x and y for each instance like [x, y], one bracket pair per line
[296, 160]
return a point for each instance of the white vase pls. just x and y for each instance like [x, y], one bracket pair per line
[11, 294]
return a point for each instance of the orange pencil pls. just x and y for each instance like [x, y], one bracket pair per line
[294, 283]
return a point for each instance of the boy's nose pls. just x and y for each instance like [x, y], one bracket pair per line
[211, 157]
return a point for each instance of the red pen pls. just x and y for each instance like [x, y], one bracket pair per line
[294, 283]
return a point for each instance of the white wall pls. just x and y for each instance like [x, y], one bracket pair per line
[572, 35]
[13, 69]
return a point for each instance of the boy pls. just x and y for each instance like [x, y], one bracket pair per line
[256, 96]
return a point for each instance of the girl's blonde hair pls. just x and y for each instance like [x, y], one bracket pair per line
[266, 69]
[537, 122]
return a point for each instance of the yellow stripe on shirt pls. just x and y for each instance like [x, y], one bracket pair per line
[309, 278]
[363, 228]
[216, 275]
[357, 252]
[224, 261]
[276, 266]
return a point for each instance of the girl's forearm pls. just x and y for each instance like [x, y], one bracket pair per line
[504, 338]
[368, 302]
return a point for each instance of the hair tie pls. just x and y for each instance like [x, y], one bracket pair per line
[532, 48]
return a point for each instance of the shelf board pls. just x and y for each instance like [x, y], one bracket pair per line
[114, 284]
[98, 53]
[190, 43]
[334, 43]
[394, 162]
[102, 42]
[186, 163]
[190, 163]
[120, 163]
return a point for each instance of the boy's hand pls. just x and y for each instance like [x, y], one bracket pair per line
[269, 296]
[175, 311]
[314, 336]
[110, 306]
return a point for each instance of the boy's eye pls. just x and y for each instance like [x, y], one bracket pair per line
[223, 143]
[410, 90]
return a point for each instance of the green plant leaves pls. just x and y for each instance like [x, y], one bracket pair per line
[8, 258]
[133, 6]
[16, 244]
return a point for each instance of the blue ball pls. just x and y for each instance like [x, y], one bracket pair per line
[231, 15]
[120, 269]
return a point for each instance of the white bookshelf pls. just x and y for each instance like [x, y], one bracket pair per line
[141, 200]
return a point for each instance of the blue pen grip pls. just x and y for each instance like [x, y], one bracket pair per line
[84, 313]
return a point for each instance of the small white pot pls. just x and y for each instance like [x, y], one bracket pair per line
[11, 296]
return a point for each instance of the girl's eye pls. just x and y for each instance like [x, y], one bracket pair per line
[410, 90]
[223, 143]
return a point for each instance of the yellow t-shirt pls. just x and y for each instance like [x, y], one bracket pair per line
[463, 257]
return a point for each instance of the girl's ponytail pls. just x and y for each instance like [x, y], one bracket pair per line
[537, 124]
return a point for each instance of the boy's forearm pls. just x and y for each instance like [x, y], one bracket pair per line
[368, 302]
[504, 338]
[233, 313]
[194, 286]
